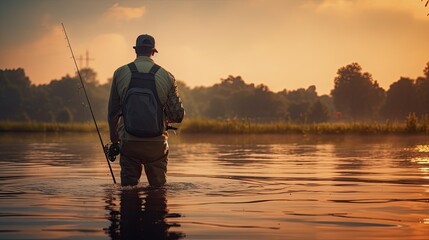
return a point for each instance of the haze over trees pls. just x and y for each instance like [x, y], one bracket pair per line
[61, 100]
[356, 96]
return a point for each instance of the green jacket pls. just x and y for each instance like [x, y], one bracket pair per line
[167, 91]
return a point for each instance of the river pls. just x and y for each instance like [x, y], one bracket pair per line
[58, 186]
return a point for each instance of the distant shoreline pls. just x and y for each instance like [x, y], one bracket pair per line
[234, 126]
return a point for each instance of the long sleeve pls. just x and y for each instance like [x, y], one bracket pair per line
[174, 110]
[114, 111]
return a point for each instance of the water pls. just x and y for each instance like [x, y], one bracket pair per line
[57, 186]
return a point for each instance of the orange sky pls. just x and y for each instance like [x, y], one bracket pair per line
[282, 44]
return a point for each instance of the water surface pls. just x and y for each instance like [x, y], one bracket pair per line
[58, 186]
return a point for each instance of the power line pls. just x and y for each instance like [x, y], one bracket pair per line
[86, 59]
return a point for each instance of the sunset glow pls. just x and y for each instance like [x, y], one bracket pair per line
[282, 44]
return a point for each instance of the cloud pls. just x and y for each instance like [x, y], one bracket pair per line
[352, 7]
[123, 14]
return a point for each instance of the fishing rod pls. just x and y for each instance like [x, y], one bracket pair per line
[89, 104]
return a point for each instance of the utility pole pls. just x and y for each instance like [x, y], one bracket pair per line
[87, 59]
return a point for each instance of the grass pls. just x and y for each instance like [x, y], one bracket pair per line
[50, 127]
[236, 126]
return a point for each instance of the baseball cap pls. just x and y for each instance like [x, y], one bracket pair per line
[145, 40]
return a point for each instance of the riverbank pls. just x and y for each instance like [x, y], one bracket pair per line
[50, 127]
[234, 126]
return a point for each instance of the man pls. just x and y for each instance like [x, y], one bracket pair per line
[151, 151]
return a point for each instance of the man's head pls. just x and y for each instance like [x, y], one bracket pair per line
[145, 45]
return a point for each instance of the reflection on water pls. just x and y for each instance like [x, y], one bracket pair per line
[58, 186]
[142, 215]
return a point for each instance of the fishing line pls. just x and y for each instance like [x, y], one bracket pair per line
[89, 103]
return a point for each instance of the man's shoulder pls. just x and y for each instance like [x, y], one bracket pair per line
[121, 70]
[165, 73]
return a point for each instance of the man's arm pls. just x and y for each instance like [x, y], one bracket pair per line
[114, 110]
[174, 110]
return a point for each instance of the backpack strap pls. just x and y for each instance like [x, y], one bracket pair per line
[154, 69]
[132, 67]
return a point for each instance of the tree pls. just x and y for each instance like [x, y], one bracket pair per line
[217, 107]
[303, 95]
[232, 97]
[41, 106]
[188, 100]
[356, 94]
[301, 105]
[400, 99]
[327, 101]
[426, 71]
[298, 111]
[422, 92]
[64, 115]
[318, 113]
[70, 95]
[257, 103]
[14, 94]
[89, 76]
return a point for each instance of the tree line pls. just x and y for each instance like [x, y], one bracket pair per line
[62, 100]
[356, 97]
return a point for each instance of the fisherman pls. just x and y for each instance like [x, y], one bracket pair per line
[143, 100]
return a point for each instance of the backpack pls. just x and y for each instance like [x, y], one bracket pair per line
[142, 111]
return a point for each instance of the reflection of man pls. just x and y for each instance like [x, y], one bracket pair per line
[138, 147]
[142, 218]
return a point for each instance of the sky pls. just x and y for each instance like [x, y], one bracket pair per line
[284, 44]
